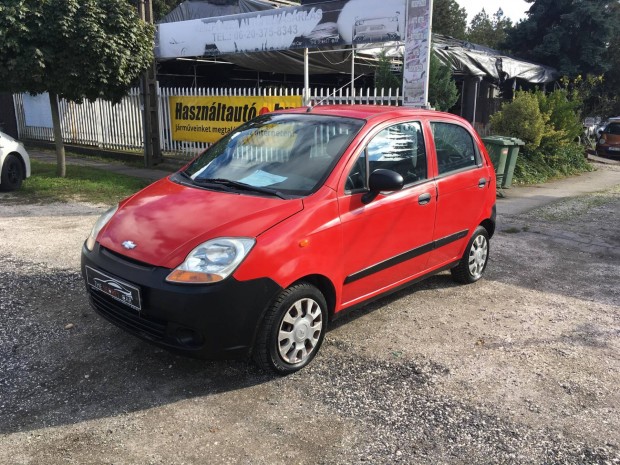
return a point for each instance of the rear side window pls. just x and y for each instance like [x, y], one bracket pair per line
[455, 148]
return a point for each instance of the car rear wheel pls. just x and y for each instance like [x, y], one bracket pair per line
[293, 330]
[12, 174]
[475, 258]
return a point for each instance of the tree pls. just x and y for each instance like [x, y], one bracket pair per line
[162, 7]
[72, 49]
[442, 91]
[491, 32]
[570, 35]
[384, 76]
[601, 94]
[449, 19]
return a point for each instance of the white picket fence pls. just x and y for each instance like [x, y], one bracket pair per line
[119, 127]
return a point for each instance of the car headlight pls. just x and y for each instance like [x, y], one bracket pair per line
[602, 140]
[101, 222]
[212, 261]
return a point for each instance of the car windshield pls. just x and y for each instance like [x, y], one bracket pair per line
[613, 128]
[281, 154]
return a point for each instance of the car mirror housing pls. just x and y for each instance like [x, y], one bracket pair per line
[382, 180]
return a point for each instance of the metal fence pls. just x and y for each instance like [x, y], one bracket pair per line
[119, 126]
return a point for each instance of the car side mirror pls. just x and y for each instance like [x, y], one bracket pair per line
[382, 180]
[599, 132]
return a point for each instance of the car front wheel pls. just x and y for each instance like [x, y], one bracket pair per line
[12, 174]
[293, 330]
[475, 258]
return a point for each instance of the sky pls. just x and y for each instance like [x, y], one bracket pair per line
[513, 9]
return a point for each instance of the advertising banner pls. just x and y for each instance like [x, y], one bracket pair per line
[417, 52]
[339, 22]
[207, 119]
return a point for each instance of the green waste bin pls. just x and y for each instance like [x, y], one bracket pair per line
[512, 161]
[503, 152]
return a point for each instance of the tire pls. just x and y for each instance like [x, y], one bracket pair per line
[475, 258]
[12, 174]
[293, 330]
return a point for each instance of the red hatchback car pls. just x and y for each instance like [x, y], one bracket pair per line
[286, 223]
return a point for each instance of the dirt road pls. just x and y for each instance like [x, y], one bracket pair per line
[521, 367]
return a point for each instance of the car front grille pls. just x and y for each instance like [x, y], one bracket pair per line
[126, 317]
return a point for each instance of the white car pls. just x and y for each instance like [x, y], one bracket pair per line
[14, 163]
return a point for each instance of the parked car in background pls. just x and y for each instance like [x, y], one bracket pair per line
[288, 222]
[608, 143]
[381, 28]
[14, 163]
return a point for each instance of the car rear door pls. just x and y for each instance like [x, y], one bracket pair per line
[386, 241]
[463, 181]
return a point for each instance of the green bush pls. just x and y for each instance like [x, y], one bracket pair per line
[521, 118]
[564, 125]
[549, 125]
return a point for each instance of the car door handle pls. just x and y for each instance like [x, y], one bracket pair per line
[424, 199]
[482, 182]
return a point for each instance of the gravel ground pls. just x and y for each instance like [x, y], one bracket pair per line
[522, 367]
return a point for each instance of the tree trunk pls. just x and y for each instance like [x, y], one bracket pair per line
[61, 168]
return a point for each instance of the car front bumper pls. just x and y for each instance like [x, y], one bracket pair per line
[218, 320]
[608, 150]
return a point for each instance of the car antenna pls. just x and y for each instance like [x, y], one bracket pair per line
[311, 107]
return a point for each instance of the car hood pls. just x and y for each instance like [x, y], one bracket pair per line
[7, 137]
[611, 138]
[167, 220]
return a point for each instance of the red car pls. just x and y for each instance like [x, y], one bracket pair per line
[288, 222]
[608, 143]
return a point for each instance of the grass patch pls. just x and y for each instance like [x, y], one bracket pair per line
[539, 166]
[82, 183]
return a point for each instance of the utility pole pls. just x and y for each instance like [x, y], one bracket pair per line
[148, 91]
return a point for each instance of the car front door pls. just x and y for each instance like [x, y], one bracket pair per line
[386, 241]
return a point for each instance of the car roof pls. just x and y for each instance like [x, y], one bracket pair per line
[369, 112]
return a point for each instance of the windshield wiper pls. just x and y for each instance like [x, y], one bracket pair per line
[240, 185]
[185, 175]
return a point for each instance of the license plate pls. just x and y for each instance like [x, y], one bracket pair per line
[614, 149]
[114, 287]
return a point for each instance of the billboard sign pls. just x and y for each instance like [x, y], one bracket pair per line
[207, 119]
[417, 52]
[339, 22]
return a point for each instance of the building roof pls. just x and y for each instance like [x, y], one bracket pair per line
[464, 58]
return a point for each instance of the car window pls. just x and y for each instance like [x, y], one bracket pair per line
[455, 147]
[398, 148]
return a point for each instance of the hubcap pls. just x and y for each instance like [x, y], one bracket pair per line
[300, 331]
[13, 172]
[478, 256]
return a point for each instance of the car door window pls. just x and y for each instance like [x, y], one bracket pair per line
[398, 148]
[455, 147]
